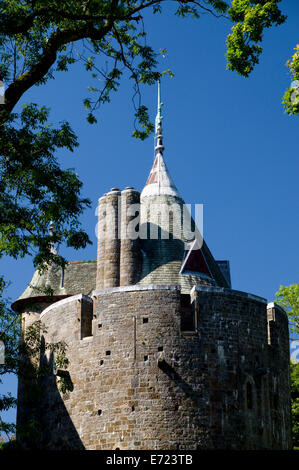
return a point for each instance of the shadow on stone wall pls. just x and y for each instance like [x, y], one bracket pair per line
[43, 419]
[179, 381]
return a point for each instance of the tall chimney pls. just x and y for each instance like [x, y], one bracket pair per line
[112, 239]
[101, 242]
[130, 253]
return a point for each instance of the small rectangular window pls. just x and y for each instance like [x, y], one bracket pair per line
[188, 317]
[86, 318]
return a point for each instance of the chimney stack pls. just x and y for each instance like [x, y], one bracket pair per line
[119, 256]
[130, 254]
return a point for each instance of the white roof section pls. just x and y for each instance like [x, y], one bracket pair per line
[159, 181]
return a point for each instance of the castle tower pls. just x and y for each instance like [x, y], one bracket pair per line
[163, 354]
[161, 219]
[168, 232]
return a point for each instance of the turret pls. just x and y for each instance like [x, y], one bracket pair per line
[168, 232]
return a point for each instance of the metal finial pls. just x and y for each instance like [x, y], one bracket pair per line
[158, 125]
[159, 116]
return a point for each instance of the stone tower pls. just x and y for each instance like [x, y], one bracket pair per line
[163, 353]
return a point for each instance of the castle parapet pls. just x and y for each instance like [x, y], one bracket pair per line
[73, 315]
[278, 329]
[279, 379]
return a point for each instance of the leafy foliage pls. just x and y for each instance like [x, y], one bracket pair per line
[11, 444]
[31, 359]
[35, 190]
[294, 375]
[243, 44]
[108, 37]
[288, 298]
[291, 96]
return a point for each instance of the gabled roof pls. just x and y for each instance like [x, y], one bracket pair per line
[198, 260]
[195, 262]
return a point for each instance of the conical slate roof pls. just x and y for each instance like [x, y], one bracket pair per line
[170, 261]
[167, 259]
[159, 181]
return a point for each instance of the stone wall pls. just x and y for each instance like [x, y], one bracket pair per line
[140, 382]
[279, 380]
[234, 331]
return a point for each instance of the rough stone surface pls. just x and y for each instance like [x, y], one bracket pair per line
[112, 240]
[101, 243]
[130, 252]
[140, 381]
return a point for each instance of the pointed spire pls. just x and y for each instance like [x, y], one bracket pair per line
[159, 116]
[158, 124]
[159, 180]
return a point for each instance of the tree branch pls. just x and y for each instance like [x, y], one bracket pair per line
[11, 27]
[48, 58]
[65, 36]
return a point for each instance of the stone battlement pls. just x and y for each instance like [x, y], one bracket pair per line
[152, 352]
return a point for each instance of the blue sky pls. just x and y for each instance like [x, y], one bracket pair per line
[228, 145]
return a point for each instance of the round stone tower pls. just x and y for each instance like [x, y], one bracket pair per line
[163, 354]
